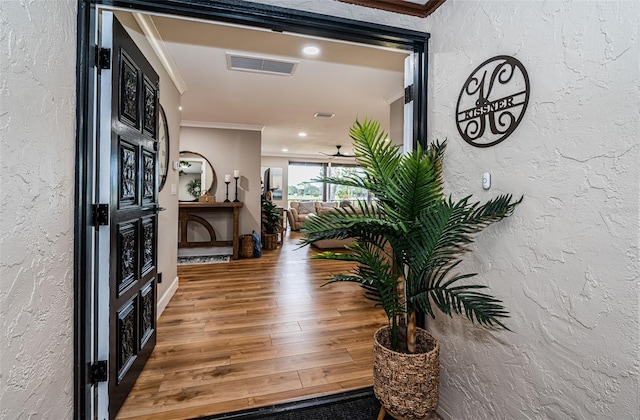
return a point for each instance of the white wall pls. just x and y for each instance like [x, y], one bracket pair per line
[37, 162]
[396, 121]
[350, 11]
[228, 150]
[566, 264]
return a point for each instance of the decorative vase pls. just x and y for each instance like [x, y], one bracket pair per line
[407, 385]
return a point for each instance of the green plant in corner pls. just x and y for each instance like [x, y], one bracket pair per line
[271, 217]
[410, 240]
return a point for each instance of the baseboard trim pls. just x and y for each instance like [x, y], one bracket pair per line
[164, 300]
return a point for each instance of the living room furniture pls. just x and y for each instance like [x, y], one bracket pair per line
[298, 212]
[284, 224]
[332, 243]
[187, 213]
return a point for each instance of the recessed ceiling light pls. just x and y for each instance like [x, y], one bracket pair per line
[302, 134]
[311, 50]
[285, 150]
[179, 108]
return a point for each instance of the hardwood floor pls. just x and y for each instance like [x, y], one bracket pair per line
[256, 332]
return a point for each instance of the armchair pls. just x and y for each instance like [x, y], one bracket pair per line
[299, 212]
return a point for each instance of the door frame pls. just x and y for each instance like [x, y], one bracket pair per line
[240, 12]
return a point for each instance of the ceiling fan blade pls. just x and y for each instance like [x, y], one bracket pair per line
[338, 153]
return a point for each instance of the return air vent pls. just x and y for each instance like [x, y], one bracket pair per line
[324, 115]
[260, 64]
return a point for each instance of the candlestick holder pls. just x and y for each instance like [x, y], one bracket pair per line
[236, 200]
[227, 196]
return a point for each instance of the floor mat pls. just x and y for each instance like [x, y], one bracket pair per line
[353, 405]
[204, 259]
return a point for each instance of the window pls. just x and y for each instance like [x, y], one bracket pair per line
[341, 192]
[301, 186]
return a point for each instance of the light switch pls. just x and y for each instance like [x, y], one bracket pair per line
[174, 189]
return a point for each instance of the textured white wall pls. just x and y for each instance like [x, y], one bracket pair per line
[350, 11]
[567, 263]
[37, 125]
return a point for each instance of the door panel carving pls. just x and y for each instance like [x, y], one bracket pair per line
[128, 187]
[127, 349]
[128, 111]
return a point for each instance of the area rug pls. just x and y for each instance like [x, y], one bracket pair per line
[205, 259]
[353, 405]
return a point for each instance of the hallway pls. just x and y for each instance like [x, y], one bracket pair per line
[256, 332]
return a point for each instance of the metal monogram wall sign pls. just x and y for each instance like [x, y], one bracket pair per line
[492, 101]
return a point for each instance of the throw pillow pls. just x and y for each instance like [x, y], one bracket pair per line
[306, 207]
[330, 204]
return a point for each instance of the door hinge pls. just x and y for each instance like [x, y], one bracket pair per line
[98, 372]
[408, 94]
[99, 215]
[103, 58]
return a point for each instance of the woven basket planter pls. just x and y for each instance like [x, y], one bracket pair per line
[246, 246]
[269, 241]
[407, 385]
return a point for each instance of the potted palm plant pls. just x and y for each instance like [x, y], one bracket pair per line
[408, 243]
[271, 224]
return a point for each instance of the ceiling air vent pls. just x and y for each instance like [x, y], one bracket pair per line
[324, 115]
[260, 64]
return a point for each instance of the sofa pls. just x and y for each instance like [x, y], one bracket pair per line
[299, 211]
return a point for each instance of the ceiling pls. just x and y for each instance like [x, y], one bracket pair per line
[348, 80]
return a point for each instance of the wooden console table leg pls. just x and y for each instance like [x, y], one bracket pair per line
[236, 235]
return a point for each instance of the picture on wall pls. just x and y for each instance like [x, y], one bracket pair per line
[272, 181]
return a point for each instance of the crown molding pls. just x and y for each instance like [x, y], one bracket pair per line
[157, 44]
[224, 126]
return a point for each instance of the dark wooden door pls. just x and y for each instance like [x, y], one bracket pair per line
[133, 218]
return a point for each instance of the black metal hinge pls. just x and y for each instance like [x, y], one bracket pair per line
[98, 372]
[408, 94]
[103, 58]
[99, 215]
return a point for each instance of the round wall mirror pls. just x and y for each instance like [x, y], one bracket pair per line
[196, 175]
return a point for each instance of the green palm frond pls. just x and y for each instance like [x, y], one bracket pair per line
[427, 232]
[375, 273]
[377, 156]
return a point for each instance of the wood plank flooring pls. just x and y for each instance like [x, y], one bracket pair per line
[256, 332]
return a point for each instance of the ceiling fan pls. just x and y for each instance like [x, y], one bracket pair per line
[339, 153]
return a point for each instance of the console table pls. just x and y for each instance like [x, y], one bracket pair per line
[187, 213]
